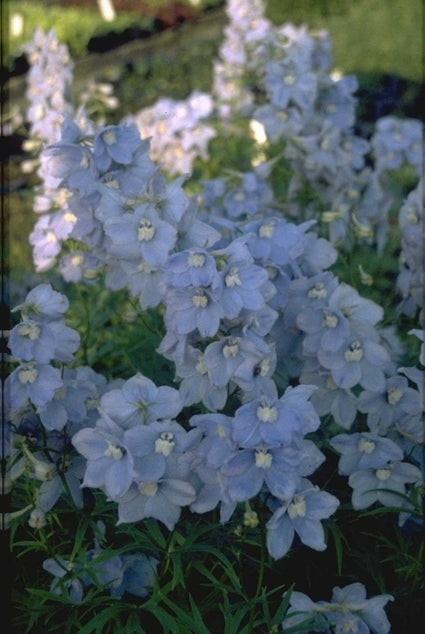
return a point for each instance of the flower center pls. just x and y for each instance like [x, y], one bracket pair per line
[266, 230]
[143, 267]
[318, 291]
[199, 299]
[30, 330]
[366, 445]
[266, 414]
[297, 507]
[232, 278]
[115, 452]
[200, 366]
[51, 238]
[109, 137]
[165, 444]
[148, 488]
[77, 259]
[231, 348]
[383, 474]
[196, 260]
[263, 459]
[263, 368]
[354, 352]
[330, 321]
[28, 374]
[394, 395]
[146, 230]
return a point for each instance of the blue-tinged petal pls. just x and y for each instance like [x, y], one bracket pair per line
[310, 532]
[160, 507]
[119, 477]
[279, 537]
[89, 443]
[178, 491]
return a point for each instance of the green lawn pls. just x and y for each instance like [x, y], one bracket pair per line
[379, 36]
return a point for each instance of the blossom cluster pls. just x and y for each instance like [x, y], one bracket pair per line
[49, 83]
[177, 131]
[269, 347]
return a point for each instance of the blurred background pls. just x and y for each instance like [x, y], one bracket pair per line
[147, 49]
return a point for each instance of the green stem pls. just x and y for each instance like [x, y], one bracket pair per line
[260, 580]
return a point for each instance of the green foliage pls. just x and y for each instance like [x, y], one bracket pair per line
[73, 26]
[380, 38]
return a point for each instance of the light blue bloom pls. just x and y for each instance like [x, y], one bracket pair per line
[32, 381]
[363, 451]
[110, 464]
[43, 303]
[217, 444]
[66, 577]
[275, 240]
[51, 490]
[386, 485]
[153, 446]
[359, 360]
[194, 267]
[301, 514]
[386, 408]
[276, 421]
[140, 401]
[192, 309]
[162, 500]
[196, 385]
[115, 143]
[140, 234]
[249, 469]
[139, 574]
[348, 611]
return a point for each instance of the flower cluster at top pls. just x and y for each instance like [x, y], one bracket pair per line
[268, 345]
[177, 132]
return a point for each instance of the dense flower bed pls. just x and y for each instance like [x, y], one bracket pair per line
[250, 399]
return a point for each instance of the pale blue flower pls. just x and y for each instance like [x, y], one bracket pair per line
[364, 450]
[140, 234]
[386, 485]
[66, 577]
[192, 309]
[217, 444]
[196, 385]
[194, 267]
[30, 340]
[43, 303]
[386, 408]
[32, 381]
[139, 574]
[329, 398]
[162, 500]
[115, 143]
[249, 469]
[273, 239]
[301, 514]
[155, 444]
[140, 401]
[51, 490]
[370, 611]
[358, 360]
[276, 421]
[348, 611]
[110, 464]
